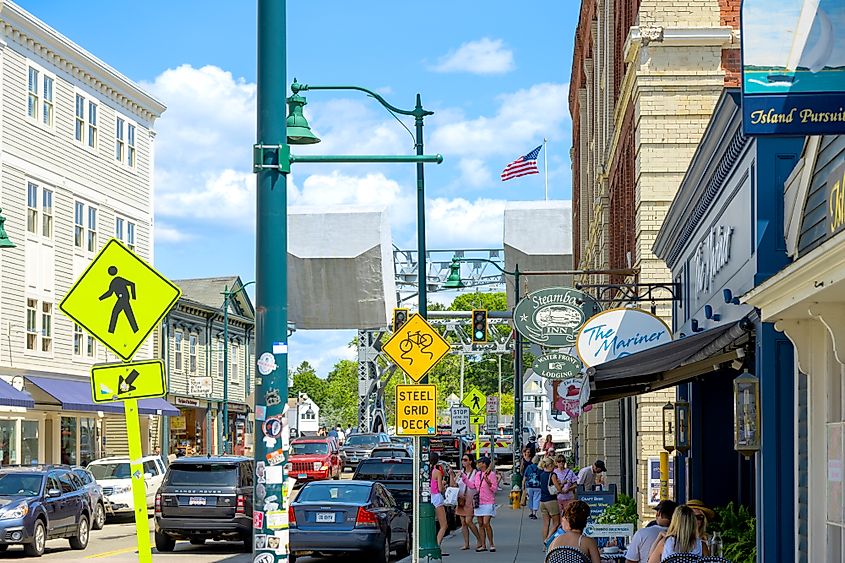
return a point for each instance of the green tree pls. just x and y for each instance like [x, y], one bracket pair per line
[491, 301]
[305, 380]
[341, 404]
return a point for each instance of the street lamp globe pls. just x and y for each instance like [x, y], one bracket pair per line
[454, 280]
[4, 238]
[298, 130]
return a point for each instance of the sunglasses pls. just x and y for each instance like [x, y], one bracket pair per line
[699, 517]
[466, 459]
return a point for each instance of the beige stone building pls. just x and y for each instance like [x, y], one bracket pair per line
[645, 79]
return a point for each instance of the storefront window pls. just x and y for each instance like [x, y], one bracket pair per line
[87, 440]
[69, 440]
[8, 436]
[29, 442]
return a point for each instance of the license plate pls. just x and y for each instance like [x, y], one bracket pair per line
[353, 459]
[196, 501]
[302, 476]
[325, 517]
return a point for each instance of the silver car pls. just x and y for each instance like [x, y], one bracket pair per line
[95, 494]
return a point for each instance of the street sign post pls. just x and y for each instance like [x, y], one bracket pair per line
[474, 400]
[416, 347]
[119, 300]
[416, 410]
[460, 420]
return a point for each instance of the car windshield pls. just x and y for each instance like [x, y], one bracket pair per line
[20, 485]
[110, 471]
[325, 492]
[383, 470]
[310, 448]
[367, 441]
[210, 474]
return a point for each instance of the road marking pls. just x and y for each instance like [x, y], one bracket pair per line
[115, 552]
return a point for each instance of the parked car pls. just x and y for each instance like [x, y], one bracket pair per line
[396, 474]
[359, 446]
[404, 440]
[95, 496]
[41, 503]
[335, 517]
[115, 476]
[206, 498]
[391, 450]
[315, 458]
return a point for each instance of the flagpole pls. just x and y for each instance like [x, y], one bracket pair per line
[546, 166]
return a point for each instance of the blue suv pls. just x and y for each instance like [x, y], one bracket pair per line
[40, 503]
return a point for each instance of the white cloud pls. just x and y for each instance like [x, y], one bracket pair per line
[337, 188]
[485, 56]
[167, 233]
[524, 117]
[459, 222]
[215, 194]
[474, 172]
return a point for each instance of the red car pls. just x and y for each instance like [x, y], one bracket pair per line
[313, 459]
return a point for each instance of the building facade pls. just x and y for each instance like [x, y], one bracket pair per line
[191, 343]
[304, 416]
[646, 76]
[76, 169]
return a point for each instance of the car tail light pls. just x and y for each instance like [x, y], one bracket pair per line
[366, 519]
[158, 504]
[457, 444]
[241, 505]
[291, 518]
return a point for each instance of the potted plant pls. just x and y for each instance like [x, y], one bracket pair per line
[738, 529]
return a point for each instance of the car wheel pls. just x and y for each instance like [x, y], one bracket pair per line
[197, 541]
[405, 550]
[83, 529]
[3, 547]
[99, 517]
[39, 539]
[383, 556]
[248, 543]
[291, 557]
[164, 543]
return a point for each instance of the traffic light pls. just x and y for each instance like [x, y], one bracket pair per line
[400, 317]
[479, 325]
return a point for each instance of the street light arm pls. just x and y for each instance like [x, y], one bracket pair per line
[296, 88]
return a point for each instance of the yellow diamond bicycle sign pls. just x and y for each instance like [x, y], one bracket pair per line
[119, 299]
[128, 380]
[416, 347]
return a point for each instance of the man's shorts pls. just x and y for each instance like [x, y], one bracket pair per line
[550, 507]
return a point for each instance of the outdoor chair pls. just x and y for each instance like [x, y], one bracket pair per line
[566, 555]
[714, 559]
[683, 558]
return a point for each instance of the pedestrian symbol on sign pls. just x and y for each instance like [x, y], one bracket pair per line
[124, 290]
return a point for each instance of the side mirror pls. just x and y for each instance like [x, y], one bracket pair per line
[54, 493]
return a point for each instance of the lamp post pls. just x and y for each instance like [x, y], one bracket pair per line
[226, 296]
[4, 238]
[299, 132]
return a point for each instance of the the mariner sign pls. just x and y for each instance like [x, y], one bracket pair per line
[551, 317]
[616, 333]
[793, 67]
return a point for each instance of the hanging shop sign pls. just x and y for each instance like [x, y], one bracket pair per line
[557, 365]
[551, 317]
[617, 333]
[565, 396]
[793, 67]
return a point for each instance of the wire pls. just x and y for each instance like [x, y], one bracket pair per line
[402, 123]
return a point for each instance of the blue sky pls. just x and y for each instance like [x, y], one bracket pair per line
[495, 75]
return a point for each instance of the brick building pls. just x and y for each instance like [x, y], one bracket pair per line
[646, 76]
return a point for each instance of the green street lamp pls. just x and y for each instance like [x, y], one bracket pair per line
[299, 132]
[4, 238]
[227, 295]
[454, 280]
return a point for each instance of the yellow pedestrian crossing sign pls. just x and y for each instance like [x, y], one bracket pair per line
[119, 299]
[416, 347]
[128, 380]
[475, 400]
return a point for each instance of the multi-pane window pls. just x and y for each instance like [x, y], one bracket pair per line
[177, 344]
[130, 235]
[47, 213]
[125, 231]
[85, 130]
[92, 124]
[220, 355]
[39, 105]
[78, 340]
[79, 131]
[130, 150]
[78, 224]
[31, 324]
[192, 353]
[39, 326]
[120, 139]
[233, 354]
[46, 327]
[118, 228]
[91, 347]
[31, 208]
[92, 229]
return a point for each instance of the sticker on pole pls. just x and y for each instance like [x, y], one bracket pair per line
[132, 380]
[416, 410]
[416, 347]
[119, 299]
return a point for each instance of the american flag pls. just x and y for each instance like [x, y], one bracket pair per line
[522, 166]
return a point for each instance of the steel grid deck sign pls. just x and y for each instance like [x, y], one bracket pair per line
[416, 347]
[119, 299]
[416, 410]
[132, 380]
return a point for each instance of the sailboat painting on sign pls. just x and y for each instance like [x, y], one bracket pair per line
[793, 59]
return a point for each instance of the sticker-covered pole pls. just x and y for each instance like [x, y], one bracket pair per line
[271, 285]
[139, 488]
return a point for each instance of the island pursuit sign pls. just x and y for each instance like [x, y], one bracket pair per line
[793, 67]
[616, 333]
[551, 317]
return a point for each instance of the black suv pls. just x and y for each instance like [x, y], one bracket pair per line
[41, 503]
[205, 498]
[358, 447]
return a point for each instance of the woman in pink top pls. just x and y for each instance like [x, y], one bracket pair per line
[488, 483]
[438, 487]
[568, 480]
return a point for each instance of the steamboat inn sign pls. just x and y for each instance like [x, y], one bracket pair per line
[551, 317]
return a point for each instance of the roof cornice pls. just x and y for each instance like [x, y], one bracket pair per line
[29, 31]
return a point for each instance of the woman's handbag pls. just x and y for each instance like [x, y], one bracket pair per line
[450, 498]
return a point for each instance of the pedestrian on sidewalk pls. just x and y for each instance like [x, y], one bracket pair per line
[549, 507]
[438, 487]
[681, 537]
[587, 476]
[488, 484]
[644, 539]
[549, 446]
[574, 522]
[568, 481]
[531, 479]
[468, 501]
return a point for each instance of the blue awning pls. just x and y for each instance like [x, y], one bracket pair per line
[76, 395]
[11, 397]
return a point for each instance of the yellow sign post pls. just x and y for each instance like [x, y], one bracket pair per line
[475, 401]
[664, 475]
[416, 347]
[119, 300]
[416, 410]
